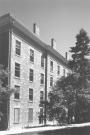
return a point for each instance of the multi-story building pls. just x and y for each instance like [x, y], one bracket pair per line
[33, 68]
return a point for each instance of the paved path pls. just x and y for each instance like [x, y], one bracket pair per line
[40, 129]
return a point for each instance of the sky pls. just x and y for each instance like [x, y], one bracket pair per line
[58, 19]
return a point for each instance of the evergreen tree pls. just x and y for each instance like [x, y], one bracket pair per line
[79, 63]
[69, 92]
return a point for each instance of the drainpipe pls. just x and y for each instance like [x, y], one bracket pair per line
[45, 88]
[9, 70]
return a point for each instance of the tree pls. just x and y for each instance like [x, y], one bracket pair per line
[69, 92]
[79, 63]
[5, 93]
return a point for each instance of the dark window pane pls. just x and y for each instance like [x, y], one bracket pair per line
[42, 61]
[31, 75]
[31, 55]
[17, 93]
[18, 47]
[17, 70]
[41, 96]
[42, 78]
[58, 70]
[51, 81]
[51, 66]
[31, 94]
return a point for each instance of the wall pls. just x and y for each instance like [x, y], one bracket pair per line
[24, 82]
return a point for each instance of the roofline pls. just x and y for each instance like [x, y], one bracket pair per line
[16, 24]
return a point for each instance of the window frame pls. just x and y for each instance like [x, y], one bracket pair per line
[17, 121]
[51, 81]
[17, 87]
[58, 69]
[17, 70]
[51, 65]
[31, 55]
[41, 96]
[30, 120]
[42, 61]
[31, 75]
[30, 94]
[18, 48]
[42, 79]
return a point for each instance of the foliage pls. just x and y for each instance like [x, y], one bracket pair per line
[67, 100]
[5, 93]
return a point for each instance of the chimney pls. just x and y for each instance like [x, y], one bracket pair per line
[66, 55]
[36, 29]
[53, 43]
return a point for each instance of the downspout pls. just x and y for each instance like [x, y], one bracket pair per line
[45, 87]
[9, 77]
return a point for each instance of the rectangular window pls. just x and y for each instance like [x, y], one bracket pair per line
[41, 116]
[16, 115]
[58, 70]
[51, 66]
[17, 69]
[31, 75]
[41, 111]
[18, 47]
[31, 55]
[41, 96]
[42, 61]
[31, 94]
[51, 81]
[30, 115]
[42, 78]
[17, 92]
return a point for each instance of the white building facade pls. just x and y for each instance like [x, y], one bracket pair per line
[33, 67]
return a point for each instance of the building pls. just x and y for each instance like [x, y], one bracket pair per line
[33, 68]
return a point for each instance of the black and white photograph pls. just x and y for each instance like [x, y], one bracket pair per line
[44, 67]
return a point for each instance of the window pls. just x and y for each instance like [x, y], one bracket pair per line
[58, 69]
[41, 96]
[16, 115]
[31, 55]
[18, 47]
[31, 75]
[51, 81]
[17, 69]
[42, 61]
[31, 94]
[42, 78]
[30, 115]
[41, 111]
[51, 66]
[41, 116]
[17, 93]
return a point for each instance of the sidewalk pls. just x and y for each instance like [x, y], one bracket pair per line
[40, 129]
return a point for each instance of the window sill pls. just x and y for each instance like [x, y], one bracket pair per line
[32, 62]
[30, 101]
[17, 100]
[42, 84]
[17, 78]
[17, 55]
[30, 81]
[42, 67]
[50, 87]
[16, 123]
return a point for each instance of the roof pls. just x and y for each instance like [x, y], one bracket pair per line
[8, 19]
